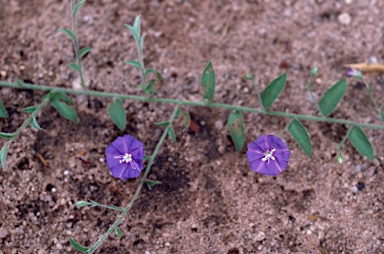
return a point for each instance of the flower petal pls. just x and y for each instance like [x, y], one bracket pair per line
[252, 155]
[120, 170]
[120, 145]
[258, 145]
[275, 142]
[131, 172]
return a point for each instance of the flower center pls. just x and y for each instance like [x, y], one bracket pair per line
[269, 155]
[124, 158]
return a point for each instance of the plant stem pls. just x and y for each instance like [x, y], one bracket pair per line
[191, 103]
[309, 88]
[76, 45]
[373, 99]
[142, 181]
[257, 90]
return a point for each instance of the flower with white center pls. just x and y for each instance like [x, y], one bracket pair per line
[268, 155]
[125, 157]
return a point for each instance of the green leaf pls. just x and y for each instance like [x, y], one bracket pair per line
[7, 135]
[162, 123]
[151, 183]
[147, 157]
[149, 90]
[361, 142]
[118, 232]
[78, 246]
[273, 90]
[171, 133]
[299, 133]
[236, 128]
[147, 72]
[3, 110]
[3, 155]
[142, 41]
[84, 51]
[64, 109]
[61, 96]
[18, 82]
[113, 207]
[74, 67]
[77, 7]
[159, 77]
[133, 32]
[208, 82]
[136, 24]
[117, 113]
[134, 63]
[185, 118]
[68, 33]
[82, 203]
[332, 97]
[382, 114]
[29, 109]
[35, 125]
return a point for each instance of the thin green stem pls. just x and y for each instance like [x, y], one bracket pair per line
[257, 90]
[76, 44]
[142, 181]
[141, 60]
[373, 99]
[309, 88]
[286, 127]
[192, 103]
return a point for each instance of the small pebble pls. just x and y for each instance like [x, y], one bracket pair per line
[354, 189]
[3, 233]
[360, 186]
[167, 244]
[260, 236]
[358, 168]
[344, 18]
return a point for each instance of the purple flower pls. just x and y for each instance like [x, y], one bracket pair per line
[124, 157]
[268, 155]
[352, 72]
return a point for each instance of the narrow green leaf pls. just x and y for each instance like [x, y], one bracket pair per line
[3, 110]
[136, 24]
[147, 72]
[162, 123]
[236, 128]
[273, 90]
[159, 77]
[150, 89]
[74, 67]
[7, 135]
[299, 133]
[117, 113]
[171, 133]
[113, 207]
[77, 7]
[35, 125]
[78, 246]
[208, 82]
[64, 109]
[84, 51]
[133, 32]
[147, 157]
[151, 183]
[118, 232]
[82, 203]
[361, 142]
[142, 41]
[62, 97]
[29, 109]
[18, 82]
[134, 63]
[68, 33]
[3, 155]
[382, 114]
[332, 97]
[185, 118]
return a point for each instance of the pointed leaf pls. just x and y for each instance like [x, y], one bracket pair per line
[113, 207]
[162, 123]
[18, 82]
[64, 109]
[68, 33]
[136, 24]
[7, 135]
[273, 90]
[151, 183]
[3, 155]
[78, 246]
[3, 110]
[29, 109]
[185, 118]
[236, 128]
[147, 157]
[382, 114]
[117, 113]
[149, 90]
[171, 133]
[82, 203]
[74, 67]
[118, 232]
[62, 97]
[332, 97]
[35, 125]
[77, 7]
[84, 51]
[134, 63]
[142, 42]
[208, 82]
[147, 72]
[361, 142]
[299, 133]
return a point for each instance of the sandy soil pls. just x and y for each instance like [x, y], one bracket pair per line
[210, 201]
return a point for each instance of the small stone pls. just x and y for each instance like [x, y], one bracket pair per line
[260, 236]
[3, 233]
[41, 251]
[167, 244]
[354, 189]
[344, 18]
[358, 168]
[59, 246]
